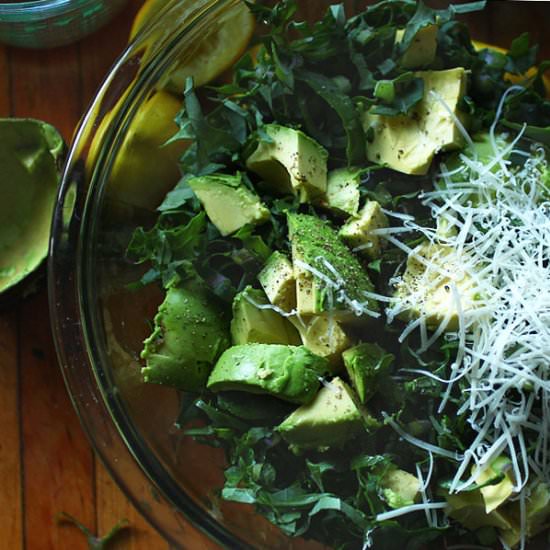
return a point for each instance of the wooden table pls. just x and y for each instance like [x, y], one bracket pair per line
[46, 463]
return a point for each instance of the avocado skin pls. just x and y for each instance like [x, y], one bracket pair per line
[290, 373]
[190, 333]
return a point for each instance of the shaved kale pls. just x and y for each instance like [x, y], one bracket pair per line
[320, 78]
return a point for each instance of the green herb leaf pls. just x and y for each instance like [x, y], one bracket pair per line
[94, 542]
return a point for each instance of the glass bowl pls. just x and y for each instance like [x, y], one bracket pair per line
[49, 23]
[99, 324]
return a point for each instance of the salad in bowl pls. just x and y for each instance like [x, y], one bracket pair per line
[351, 274]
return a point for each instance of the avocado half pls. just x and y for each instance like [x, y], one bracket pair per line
[31, 153]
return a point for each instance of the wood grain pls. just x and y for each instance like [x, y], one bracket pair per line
[57, 459]
[44, 86]
[11, 497]
[112, 506]
[4, 83]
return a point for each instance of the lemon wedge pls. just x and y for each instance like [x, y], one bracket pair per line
[145, 168]
[205, 59]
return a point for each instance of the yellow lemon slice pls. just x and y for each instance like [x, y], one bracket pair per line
[144, 14]
[145, 168]
[205, 59]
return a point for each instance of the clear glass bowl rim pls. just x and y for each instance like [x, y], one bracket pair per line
[98, 409]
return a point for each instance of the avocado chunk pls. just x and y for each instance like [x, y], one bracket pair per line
[278, 281]
[538, 508]
[421, 50]
[358, 231]
[325, 337]
[399, 488]
[30, 157]
[537, 512]
[254, 322]
[330, 420]
[428, 292]
[228, 203]
[342, 194]
[408, 143]
[290, 373]
[367, 365]
[328, 276]
[468, 508]
[190, 333]
[497, 493]
[290, 161]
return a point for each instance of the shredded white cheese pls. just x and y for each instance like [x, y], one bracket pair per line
[497, 219]
[411, 508]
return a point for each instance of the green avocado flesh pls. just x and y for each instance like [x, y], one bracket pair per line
[317, 245]
[30, 153]
[330, 419]
[190, 333]
[290, 373]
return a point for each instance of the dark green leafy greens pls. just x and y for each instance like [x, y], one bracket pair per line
[320, 77]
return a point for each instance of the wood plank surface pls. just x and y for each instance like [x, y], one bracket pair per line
[4, 83]
[11, 495]
[46, 463]
[57, 460]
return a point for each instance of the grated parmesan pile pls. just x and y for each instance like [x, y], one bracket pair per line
[496, 217]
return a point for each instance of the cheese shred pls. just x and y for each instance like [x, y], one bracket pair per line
[497, 218]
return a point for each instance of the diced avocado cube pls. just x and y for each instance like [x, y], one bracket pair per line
[537, 512]
[228, 203]
[399, 488]
[278, 281]
[324, 336]
[496, 494]
[190, 333]
[421, 51]
[331, 419]
[290, 373]
[468, 508]
[436, 294]
[358, 231]
[342, 194]
[366, 364]
[253, 322]
[328, 275]
[408, 143]
[290, 161]
[538, 508]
